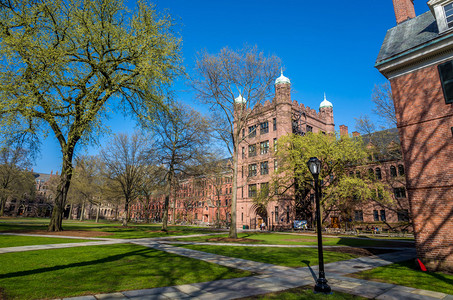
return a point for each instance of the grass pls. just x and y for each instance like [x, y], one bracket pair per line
[302, 293]
[100, 269]
[408, 274]
[289, 257]
[15, 241]
[303, 239]
[114, 229]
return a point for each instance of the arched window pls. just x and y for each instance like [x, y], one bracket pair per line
[371, 173]
[393, 171]
[401, 170]
[357, 174]
[351, 173]
[378, 173]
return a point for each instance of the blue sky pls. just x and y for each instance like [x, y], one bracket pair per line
[325, 46]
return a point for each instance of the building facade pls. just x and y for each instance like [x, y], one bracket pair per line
[417, 57]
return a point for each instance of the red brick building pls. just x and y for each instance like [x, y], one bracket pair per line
[417, 57]
[256, 162]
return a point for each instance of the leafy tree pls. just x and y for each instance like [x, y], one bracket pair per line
[151, 185]
[66, 64]
[339, 156]
[220, 79]
[126, 160]
[182, 141]
[15, 180]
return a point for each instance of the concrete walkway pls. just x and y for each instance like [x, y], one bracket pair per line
[271, 278]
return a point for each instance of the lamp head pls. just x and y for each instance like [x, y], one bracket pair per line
[314, 165]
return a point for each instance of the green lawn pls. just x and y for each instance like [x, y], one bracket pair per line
[303, 239]
[303, 293]
[408, 274]
[289, 257]
[15, 241]
[100, 269]
[114, 229]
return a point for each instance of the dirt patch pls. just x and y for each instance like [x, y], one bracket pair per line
[231, 240]
[301, 240]
[78, 233]
[358, 251]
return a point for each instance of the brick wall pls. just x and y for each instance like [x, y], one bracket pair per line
[424, 122]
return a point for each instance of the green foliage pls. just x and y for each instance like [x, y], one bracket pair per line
[65, 65]
[339, 156]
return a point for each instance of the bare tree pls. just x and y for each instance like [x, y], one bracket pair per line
[383, 104]
[232, 83]
[182, 141]
[15, 180]
[126, 159]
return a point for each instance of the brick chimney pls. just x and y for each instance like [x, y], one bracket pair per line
[343, 130]
[355, 134]
[404, 10]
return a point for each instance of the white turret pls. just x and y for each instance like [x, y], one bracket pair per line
[325, 103]
[282, 79]
[240, 100]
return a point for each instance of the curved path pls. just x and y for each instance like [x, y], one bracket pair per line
[271, 278]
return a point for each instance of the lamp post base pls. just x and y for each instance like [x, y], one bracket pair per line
[321, 286]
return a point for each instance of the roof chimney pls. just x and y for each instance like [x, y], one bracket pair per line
[404, 10]
[343, 130]
[355, 134]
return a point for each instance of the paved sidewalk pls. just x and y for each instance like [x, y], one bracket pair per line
[271, 278]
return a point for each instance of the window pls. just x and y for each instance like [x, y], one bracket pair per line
[287, 214]
[358, 215]
[274, 122]
[264, 168]
[276, 214]
[243, 152]
[243, 132]
[295, 126]
[393, 171]
[399, 192]
[448, 9]
[242, 171]
[446, 79]
[378, 174]
[264, 147]
[265, 188]
[403, 215]
[357, 174]
[252, 190]
[401, 170]
[252, 170]
[383, 215]
[376, 215]
[252, 131]
[371, 173]
[252, 150]
[264, 127]
[309, 128]
[275, 144]
[242, 217]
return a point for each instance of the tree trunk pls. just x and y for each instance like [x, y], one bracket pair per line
[97, 212]
[82, 213]
[126, 213]
[233, 230]
[70, 212]
[2, 205]
[165, 217]
[173, 221]
[56, 220]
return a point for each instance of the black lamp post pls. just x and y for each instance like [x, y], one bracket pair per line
[321, 286]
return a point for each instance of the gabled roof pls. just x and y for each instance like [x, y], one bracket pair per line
[408, 35]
